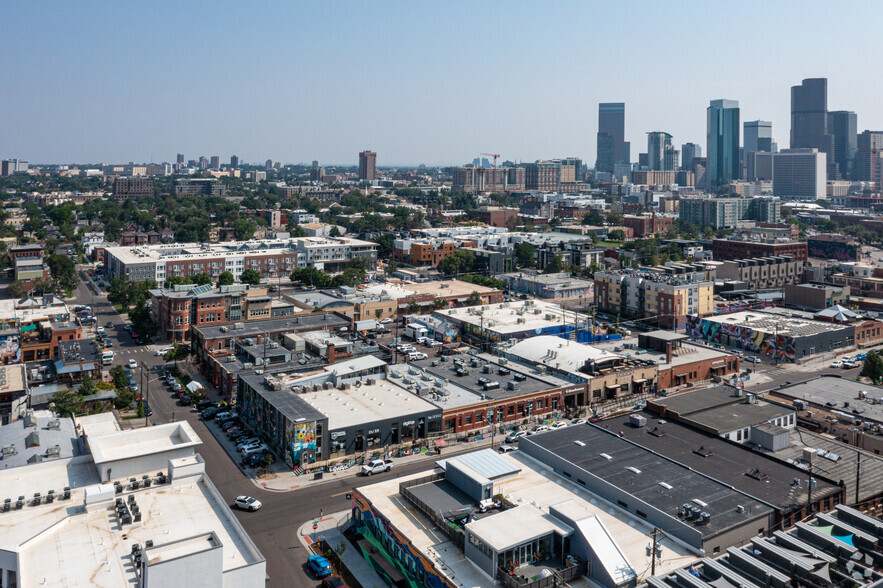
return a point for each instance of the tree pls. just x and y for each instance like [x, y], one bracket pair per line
[872, 367]
[200, 279]
[243, 229]
[458, 262]
[351, 276]
[16, 289]
[225, 279]
[556, 265]
[87, 388]
[593, 218]
[310, 276]
[250, 276]
[67, 403]
[141, 319]
[616, 235]
[524, 254]
[118, 375]
[334, 232]
[63, 272]
[413, 307]
[474, 299]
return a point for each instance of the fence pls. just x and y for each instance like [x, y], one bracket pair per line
[558, 577]
[454, 534]
[323, 548]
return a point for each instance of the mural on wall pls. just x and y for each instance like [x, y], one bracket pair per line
[768, 344]
[385, 537]
[833, 250]
[300, 440]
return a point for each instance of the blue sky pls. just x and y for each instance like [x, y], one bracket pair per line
[418, 82]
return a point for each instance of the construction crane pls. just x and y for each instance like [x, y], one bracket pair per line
[495, 156]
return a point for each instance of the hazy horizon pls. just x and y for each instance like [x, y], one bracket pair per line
[416, 82]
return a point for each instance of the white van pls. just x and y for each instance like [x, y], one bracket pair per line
[107, 357]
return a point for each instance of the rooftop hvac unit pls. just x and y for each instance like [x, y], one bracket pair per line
[54, 451]
[277, 385]
[537, 311]
[520, 321]
[268, 379]
[511, 385]
[341, 386]
[247, 366]
[54, 424]
[274, 345]
[370, 381]
[503, 361]
[550, 316]
[328, 385]
[485, 369]
[238, 326]
[224, 329]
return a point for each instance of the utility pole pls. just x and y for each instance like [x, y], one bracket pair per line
[654, 534]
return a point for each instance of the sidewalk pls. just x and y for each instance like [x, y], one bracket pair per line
[286, 480]
[330, 528]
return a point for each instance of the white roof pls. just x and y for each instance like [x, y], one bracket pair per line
[564, 355]
[602, 543]
[139, 442]
[515, 526]
[515, 317]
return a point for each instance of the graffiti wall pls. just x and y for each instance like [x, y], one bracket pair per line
[768, 344]
[300, 441]
[418, 570]
[833, 250]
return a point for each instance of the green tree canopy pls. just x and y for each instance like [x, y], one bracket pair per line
[225, 279]
[556, 265]
[459, 262]
[525, 254]
[250, 276]
[67, 403]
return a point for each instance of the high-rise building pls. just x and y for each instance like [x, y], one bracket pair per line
[809, 118]
[11, 166]
[234, 162]
[800, 174]
[180, 159]
[842, 124]
[215, 163]
[688, 152]
[867, 157]
[368, 165]
[661, 156]
[758, 137]
[315, 163]
[722, 142]
[543, 176]
[612, 146]
[203, 162]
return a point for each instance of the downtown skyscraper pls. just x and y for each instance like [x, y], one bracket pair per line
[661, 155]
[612, 146]
[722, 142]
[809, 119]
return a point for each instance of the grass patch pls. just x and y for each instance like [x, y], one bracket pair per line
[121, 309]
[609, 243]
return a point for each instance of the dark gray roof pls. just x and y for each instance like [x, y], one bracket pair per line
[719, 409]
[308, 322]
[728, 461]
[292, 406]
[447, 370]
[683, 484]
[666, 335]
[832, 388]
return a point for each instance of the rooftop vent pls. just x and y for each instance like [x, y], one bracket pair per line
[756, 474]
[703, 451]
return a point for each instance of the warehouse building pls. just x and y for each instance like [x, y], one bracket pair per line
[782, 337]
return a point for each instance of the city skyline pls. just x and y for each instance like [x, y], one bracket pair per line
[154, 81]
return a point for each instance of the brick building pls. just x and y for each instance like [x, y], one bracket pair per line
[728, 249]
[132, 187]
[643, 226]
[497, 216]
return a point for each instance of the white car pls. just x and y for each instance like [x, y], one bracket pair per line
[386, 321]
[416, 355]
[254, 449]
[247, 503]
[558, 425]
[99, 330]
[163, 351]
[836, 363]
[513, 437]
[579, 422]
[133, 365]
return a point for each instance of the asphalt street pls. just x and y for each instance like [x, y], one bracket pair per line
[274, 527]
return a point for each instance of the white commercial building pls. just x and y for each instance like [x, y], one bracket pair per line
[136, 511]
[799, 174]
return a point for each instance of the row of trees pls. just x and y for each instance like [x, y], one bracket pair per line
[354, 274]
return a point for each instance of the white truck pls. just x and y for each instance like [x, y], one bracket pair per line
[375, 466]
[107, 357]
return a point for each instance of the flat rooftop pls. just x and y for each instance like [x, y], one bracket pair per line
[514, 317]
[60, 544]
[837, 391]
[135, 254]
[563, 355]
[602, 453]
[136, 442]
[50, 438]
[766, 323]
[534, 485]
[728, 462]
[445, 288]
[307, 322]
[366, 403]
[720, 408]
[686, 354]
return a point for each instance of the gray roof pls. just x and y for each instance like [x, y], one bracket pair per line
[597, 444]
[309, 322]
[727, 461]
[62, 434]
[292, 406]
[832, 388]
[488, 462]
[719, 409]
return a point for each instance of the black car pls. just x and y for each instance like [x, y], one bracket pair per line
[204, 404]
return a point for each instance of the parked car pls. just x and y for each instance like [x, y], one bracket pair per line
[133, 365]
[385, 321]
[247, 503]
[249, 441]
[163, 351]
[515, 436]
[253, 460]
[416, 355]
[319, 565]
[752, 359]
[375, 466]
[579, 422]
[836, 363]
[204, 404]
[558, 425]
[186, 400]
[333, 582]
[254, 449]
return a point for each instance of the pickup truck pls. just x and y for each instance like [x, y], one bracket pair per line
[375, 466]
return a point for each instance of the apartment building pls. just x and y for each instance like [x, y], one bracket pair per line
[472, 178]
[647, 225]
[726, 249]
[132, 187]
[762, 273]
[176, 309]
[271, 258]
[199, 187]
[665, 297]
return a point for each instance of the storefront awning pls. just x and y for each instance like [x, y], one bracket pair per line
[641, 381]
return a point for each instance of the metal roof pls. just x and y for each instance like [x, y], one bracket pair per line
[487, 461]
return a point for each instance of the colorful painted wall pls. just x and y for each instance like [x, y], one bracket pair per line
[743, 337]
[417, 569]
